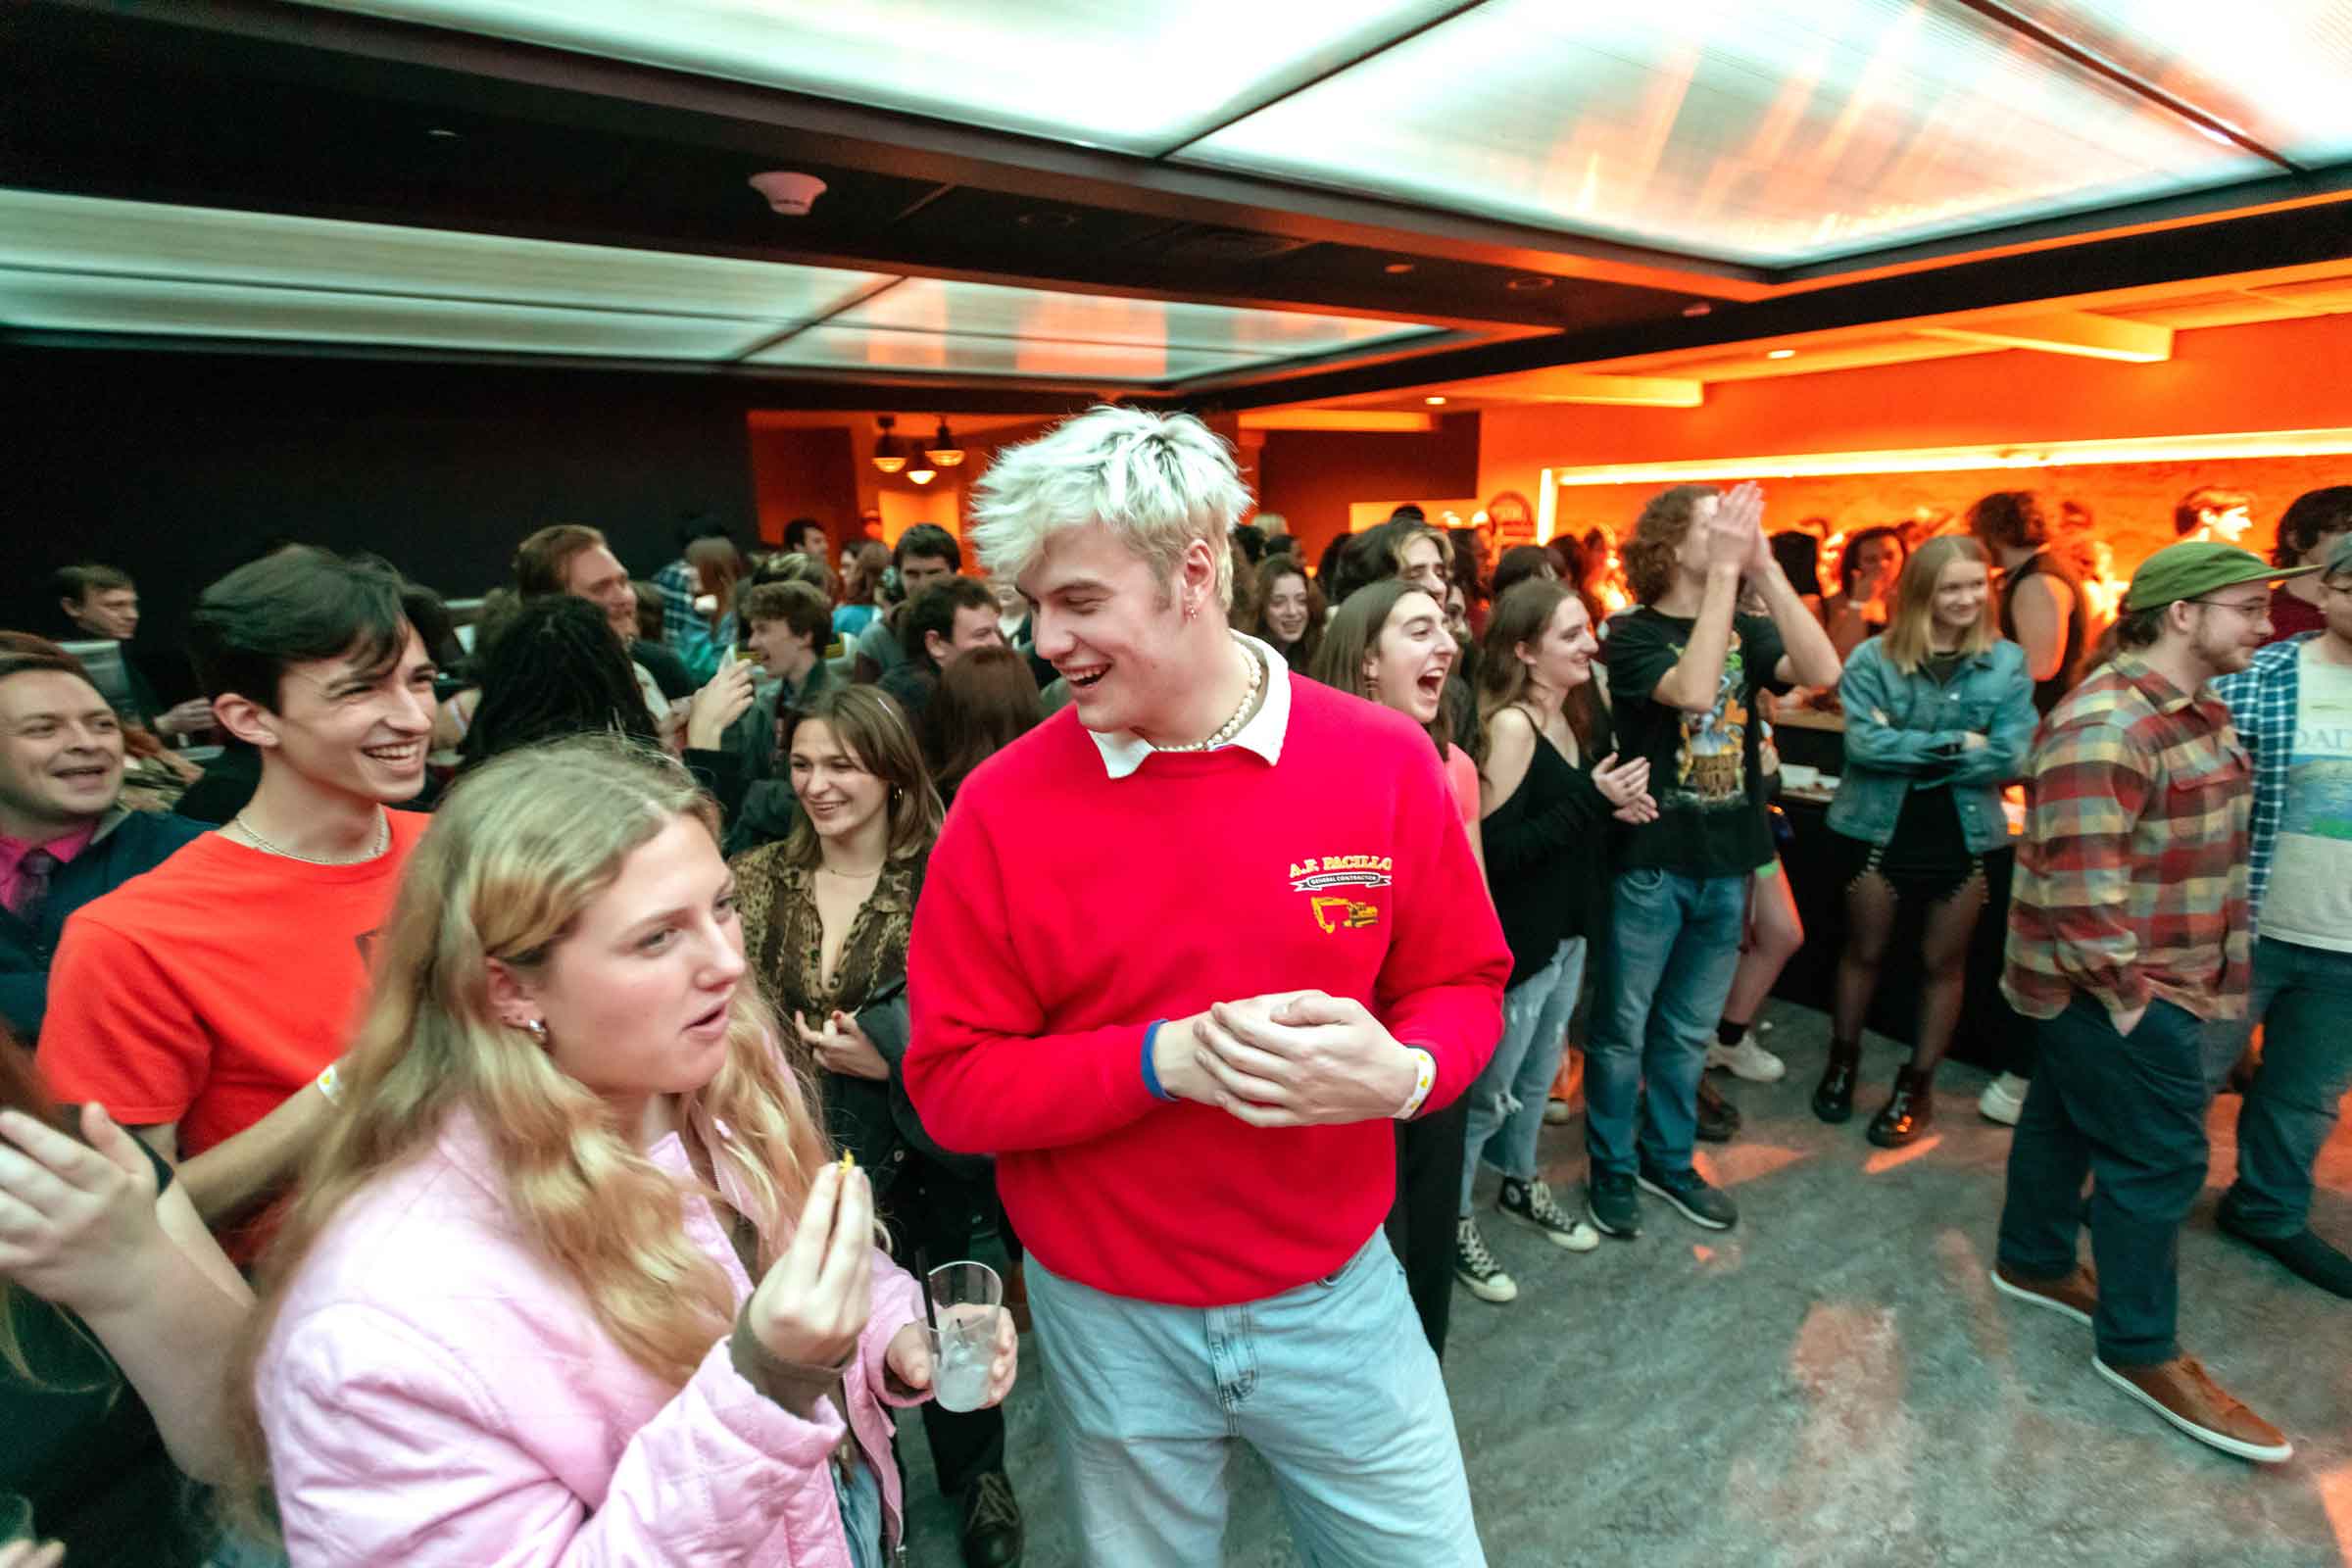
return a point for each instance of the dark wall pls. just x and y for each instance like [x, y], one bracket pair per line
[1311, 476]
[176, 466]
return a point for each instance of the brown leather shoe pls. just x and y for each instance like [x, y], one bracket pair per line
[2183, 1393]
[2075, 1294]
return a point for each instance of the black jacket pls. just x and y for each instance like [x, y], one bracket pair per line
[127, 844]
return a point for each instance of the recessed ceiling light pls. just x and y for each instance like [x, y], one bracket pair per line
[1532, 283]
[442, 131]
[1047, 220]
[1434, 402]
[1782, 353]
[1699, 308]
[1398, 267]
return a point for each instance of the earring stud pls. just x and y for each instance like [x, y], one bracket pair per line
[536, 1028]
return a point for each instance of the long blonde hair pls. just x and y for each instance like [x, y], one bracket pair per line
[515, 854]
[1910, 624]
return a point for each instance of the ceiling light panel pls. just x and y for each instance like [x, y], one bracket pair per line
[34, 301]
[2276, 71]
[947, 354]
[1771, 131]
[86, 234]
[931, 305]
[1137, 75]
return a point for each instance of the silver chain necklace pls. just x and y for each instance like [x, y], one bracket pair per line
[1241, 715]
[383, 841]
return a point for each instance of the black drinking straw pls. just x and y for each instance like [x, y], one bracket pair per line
[922, 1277]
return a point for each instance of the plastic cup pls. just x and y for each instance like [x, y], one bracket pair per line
[968, 1300]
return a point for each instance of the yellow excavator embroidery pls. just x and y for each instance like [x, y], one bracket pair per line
[1334, 915]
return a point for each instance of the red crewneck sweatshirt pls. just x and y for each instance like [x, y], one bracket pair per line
[1064, 911]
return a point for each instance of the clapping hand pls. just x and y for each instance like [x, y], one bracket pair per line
[722, 700]
[78, 1225]
[814, 1301]
[1626, 787]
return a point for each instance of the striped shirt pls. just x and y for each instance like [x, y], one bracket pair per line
[2131, 880]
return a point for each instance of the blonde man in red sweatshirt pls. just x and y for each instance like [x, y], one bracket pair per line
[1185, 952]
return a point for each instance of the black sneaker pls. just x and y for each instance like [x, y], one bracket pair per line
[1616, 1209]
[1690, 1193]
[991, 1523]
[1531, 1204]
[2303, 1252]
[1476, 1267]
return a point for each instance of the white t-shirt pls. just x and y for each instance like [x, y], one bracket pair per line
[2309, 898]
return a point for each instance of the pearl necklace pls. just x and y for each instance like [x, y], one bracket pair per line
[1241, 715]
[383, 841]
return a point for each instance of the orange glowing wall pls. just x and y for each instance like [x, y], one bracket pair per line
[2281, 375]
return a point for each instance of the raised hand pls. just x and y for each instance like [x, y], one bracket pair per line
[78, 1225]
[814, 1301]
[722, 700]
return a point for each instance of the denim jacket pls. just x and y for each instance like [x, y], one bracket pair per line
[1903, 730]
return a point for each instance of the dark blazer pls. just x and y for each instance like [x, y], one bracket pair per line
[127, 844]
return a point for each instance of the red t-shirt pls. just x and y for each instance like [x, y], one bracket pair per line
[207, 991]
[1066, 910]
[2291, 616]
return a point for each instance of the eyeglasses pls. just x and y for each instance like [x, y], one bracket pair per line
[2249, 607]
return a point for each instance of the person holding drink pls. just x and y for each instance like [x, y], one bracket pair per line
[1184, 954]
[825, 916]
[573, 1277]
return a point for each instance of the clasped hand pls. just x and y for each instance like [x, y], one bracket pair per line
[77, 1224]
[842, 1046]
[1297, 1059]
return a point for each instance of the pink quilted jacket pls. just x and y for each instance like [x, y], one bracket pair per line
[433, 1394]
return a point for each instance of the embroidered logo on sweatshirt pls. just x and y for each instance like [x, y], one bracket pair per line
[1313, 875]
[1337, 915]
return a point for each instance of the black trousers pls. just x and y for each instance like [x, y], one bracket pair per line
[1421, 1222]
[937, 1211]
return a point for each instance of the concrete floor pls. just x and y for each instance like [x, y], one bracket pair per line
[1833, 1384]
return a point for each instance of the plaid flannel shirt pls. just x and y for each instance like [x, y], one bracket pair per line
[2131, 880]
[702, 646]
[2262, 701]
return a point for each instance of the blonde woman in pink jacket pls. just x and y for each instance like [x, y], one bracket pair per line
[574, 1279]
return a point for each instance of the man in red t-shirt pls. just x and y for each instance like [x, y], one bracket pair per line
[199, 1002]
[1182, 954]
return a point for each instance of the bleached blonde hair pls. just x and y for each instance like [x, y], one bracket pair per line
[1158, 481]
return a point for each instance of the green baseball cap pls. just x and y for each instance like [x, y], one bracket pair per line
[2197, 568]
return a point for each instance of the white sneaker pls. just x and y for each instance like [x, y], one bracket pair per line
[2003, 1099]
[1748, 1060]
[1557, 1113]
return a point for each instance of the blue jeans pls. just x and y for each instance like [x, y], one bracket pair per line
[859, 1494]
[1506, 1104]
[2128, 1113]
[1666, 971]
[1332, 1383]
[2301, 998]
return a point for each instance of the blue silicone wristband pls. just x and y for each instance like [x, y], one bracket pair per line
[1150, 1075]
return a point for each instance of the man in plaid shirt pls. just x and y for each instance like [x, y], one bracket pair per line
[2295, 710]
[2127, 936]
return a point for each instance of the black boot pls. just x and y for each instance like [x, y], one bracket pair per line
[991, 1523]
[1718, 1117]
[1907, 1112]
[1834, 1097]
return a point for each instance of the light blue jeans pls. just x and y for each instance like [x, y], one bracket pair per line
[859, 1494]
[1506, 1104]
[1672, 952]
[1333, 1384]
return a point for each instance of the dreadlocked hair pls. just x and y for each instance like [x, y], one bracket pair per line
[555, 670]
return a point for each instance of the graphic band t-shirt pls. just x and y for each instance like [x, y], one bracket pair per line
[1704, 768]
[2309, 898]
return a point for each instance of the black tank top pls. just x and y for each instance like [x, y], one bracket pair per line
[2041, 562]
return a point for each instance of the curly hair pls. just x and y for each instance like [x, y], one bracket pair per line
[1653, 554]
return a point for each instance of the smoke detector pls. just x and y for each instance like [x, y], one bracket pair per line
[788, 193]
